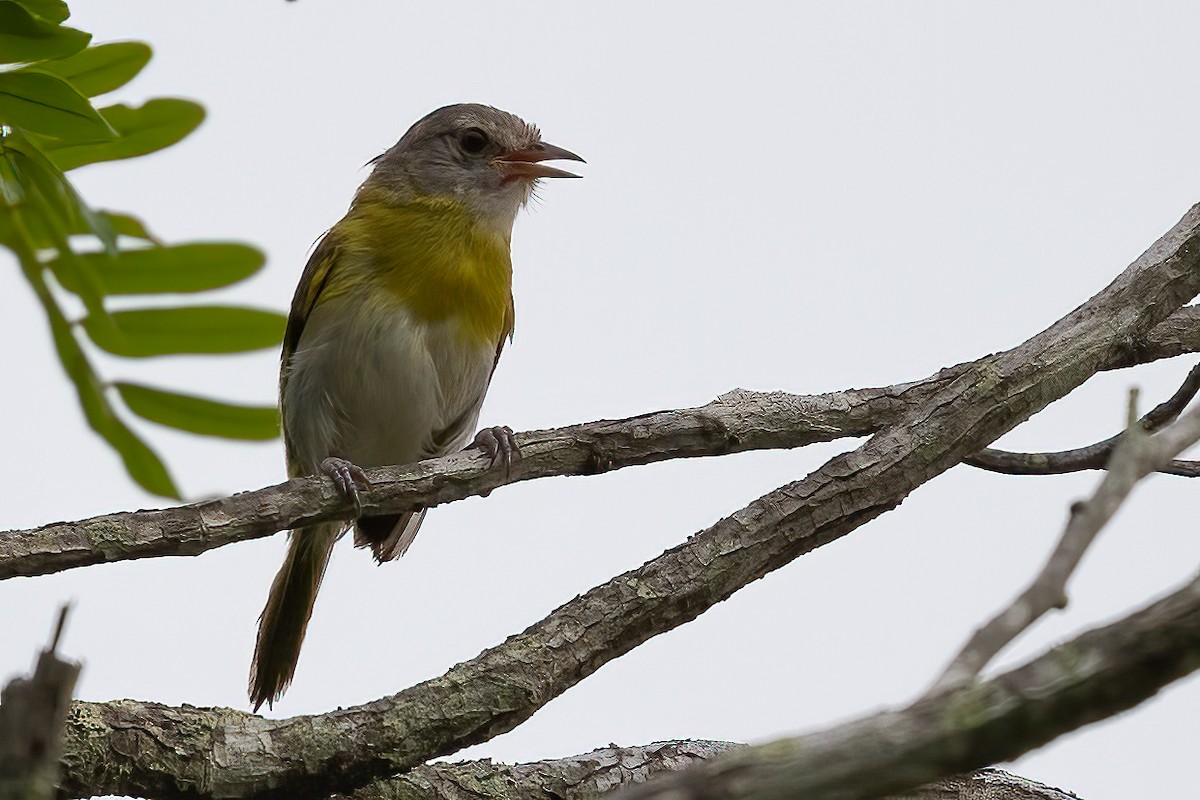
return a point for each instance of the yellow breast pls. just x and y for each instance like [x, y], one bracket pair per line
[431, 255]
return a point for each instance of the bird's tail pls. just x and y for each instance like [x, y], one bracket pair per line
[289, 605]
[388, 536]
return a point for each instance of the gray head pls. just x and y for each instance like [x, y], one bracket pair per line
[484, 157]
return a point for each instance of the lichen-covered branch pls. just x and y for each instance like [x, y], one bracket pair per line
[735, 422]
[129, 747]
[1101, 673]
[587, 776]
[581, 777]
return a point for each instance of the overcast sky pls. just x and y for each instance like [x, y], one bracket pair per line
[793, 196]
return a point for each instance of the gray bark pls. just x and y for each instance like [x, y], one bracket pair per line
[1096, 675]
[591, 775]
[1137, 454]
[735, 422]
[33, 715]
[142, 748]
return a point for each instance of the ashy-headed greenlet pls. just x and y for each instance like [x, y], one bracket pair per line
[395, 330]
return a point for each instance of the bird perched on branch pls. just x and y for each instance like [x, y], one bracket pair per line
[394, 332]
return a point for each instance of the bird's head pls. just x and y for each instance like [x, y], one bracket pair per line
[486, 158]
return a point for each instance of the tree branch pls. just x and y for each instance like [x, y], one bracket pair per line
[1095, 456]
[1137, 455]
[735, 422]
[1101, 673]
[586, 776]
[129, 747]
[33, 714]
[1179, 334]
[583, 776]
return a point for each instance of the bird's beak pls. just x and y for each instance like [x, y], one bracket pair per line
[526, 163]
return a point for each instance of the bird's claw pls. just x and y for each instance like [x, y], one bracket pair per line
[500, 445]
[346, 476]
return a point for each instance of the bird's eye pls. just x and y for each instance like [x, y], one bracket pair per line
[473, 141]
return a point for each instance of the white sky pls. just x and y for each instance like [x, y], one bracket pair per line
[781, 196]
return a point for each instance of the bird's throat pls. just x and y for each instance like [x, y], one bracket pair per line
[431, 255]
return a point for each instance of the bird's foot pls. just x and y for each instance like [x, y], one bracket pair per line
[500, 445]
[346, 476]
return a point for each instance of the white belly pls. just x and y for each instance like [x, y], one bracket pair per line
[378, 387]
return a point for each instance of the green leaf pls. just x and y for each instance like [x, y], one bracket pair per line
[187, 329]
[106, 223]
[26, 36]
[157, 124]
[51, 10]
[12, 193]
[101, 68]
[52, 195]
[39, 185]
[128, 225]
[200, 415]
[142, 463]
[51, 211]
[43, 103]
[155, 270]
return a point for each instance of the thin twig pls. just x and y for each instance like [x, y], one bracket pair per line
[59, 626]
[1095, 456]
[1136, 455]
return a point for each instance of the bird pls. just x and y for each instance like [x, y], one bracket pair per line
[395, 330]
